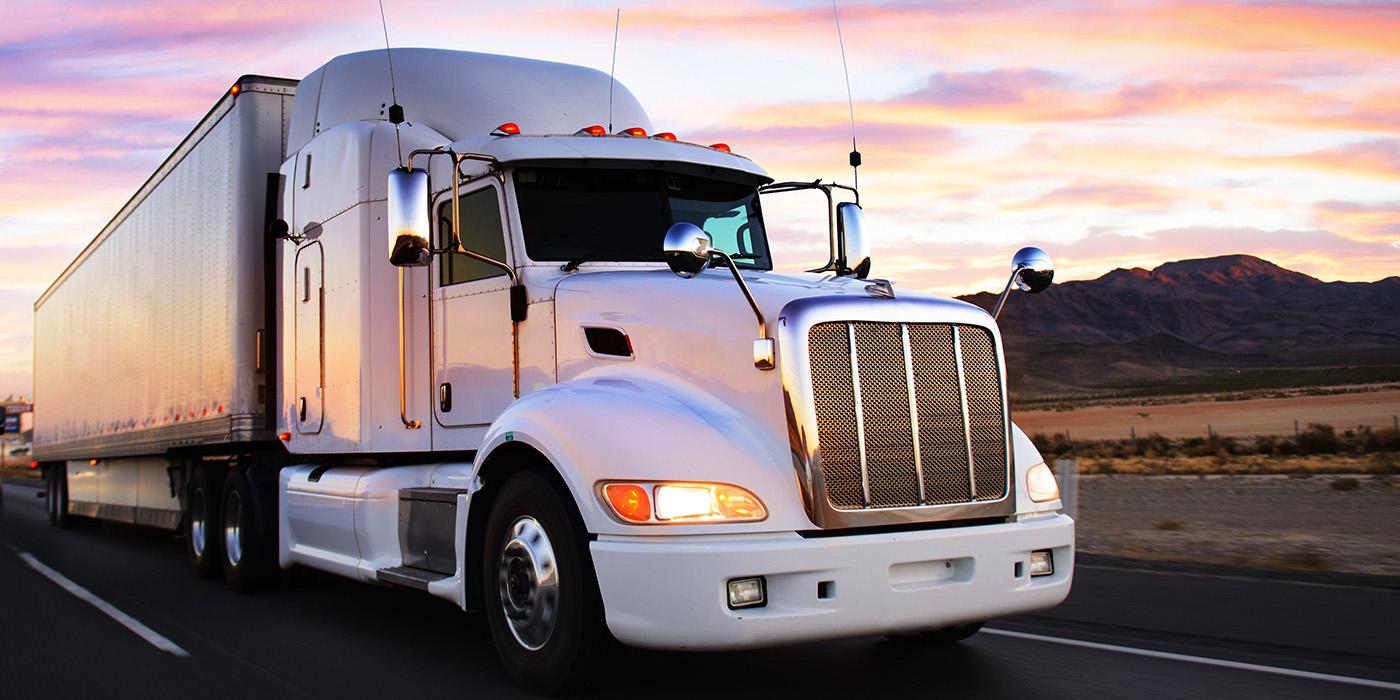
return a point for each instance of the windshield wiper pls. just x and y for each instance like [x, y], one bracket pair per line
[574, 263]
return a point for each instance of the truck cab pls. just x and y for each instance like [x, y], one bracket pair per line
[526, 353]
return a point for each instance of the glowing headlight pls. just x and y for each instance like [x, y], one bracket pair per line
[1040, 484]
[682, 503]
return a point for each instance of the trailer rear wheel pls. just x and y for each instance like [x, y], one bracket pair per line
[201, 522]
[247, 551]
[56, 497]
[541, 598]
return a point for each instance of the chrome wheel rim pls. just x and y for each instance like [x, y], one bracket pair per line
[529, 583]
[198, 522]
[233, 528]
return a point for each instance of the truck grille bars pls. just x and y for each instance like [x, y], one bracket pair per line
[908, 414]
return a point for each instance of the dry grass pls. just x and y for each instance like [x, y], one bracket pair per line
[1210, 414]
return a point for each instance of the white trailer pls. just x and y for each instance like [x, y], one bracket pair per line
[539, 368]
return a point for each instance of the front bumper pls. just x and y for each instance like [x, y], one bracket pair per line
[669, 592]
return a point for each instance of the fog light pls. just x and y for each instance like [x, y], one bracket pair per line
[746, 593]
[1042, 564]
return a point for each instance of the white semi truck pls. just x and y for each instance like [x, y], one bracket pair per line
[540, 368]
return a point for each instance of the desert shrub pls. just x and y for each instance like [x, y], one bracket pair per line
[1319, 438]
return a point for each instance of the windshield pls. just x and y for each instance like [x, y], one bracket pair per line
[610, 214]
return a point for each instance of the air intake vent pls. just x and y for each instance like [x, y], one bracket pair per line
[608, 341]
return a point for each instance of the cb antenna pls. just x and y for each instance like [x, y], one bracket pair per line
[395, 111]
[850, 101]
[617, 24]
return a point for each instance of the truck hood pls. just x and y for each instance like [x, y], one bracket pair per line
[696, 336]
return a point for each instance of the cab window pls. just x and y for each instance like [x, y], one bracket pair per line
[481, 233]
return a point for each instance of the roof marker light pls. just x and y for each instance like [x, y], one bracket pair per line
[507, 129]
[595, 130]
[235, 89]
[636, 131]
[665, 136]
[721, 147]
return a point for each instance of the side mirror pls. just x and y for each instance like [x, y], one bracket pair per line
[855, 249]
[689, 251]
[1031, 271]
[408, 218]
[687, 248]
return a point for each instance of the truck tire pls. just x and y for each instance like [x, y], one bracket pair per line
[248, 554]
[541, 598]
[56, 497]
[201, 525]
[938, 638]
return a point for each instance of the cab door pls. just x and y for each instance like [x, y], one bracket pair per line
[474, 364]
[310, 308]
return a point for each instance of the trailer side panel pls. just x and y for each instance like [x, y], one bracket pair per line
[149, 340]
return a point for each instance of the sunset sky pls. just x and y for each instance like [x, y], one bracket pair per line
[1114, 135]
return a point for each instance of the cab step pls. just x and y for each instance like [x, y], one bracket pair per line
[409, 576]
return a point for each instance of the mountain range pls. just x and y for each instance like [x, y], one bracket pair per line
[1234, 321]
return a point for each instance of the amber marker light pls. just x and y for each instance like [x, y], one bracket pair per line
[635, 131]
[721, 147]
[595, 130]
[507, 129]
[629, 501]
[665, 136]
[285, 437]
[235, 89]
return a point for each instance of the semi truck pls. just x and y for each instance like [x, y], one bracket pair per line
[435, 326]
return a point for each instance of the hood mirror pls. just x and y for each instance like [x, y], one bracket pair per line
[1031, 271]
[408, 218]
[688, 249]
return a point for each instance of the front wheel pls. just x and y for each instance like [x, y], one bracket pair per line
[541, 598]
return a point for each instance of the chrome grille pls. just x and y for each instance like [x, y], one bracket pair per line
[908, 414]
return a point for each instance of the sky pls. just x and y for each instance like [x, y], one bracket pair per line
[1115, 134]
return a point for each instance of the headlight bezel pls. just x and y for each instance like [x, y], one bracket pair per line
[727, 502]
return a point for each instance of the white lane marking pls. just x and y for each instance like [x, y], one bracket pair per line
[1204, 660]
[131, 623]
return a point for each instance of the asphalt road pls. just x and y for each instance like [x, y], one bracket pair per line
[1128, 630]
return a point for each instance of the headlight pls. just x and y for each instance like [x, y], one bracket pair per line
[1040, 484]
[671, 502]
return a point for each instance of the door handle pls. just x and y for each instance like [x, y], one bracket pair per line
[445, 397]
[301, 409]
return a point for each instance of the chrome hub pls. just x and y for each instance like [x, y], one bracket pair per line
[529, 583]
[233, 528]
[199, 522]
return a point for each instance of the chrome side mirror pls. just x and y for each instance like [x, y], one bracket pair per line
[1031, 271]
[688, 251]
[408, 218]
[687, 248]
[855, 249]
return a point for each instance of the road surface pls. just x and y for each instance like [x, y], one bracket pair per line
[112, 611]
